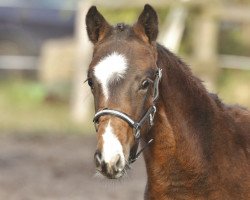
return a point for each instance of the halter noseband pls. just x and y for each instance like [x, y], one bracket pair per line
[135, 125]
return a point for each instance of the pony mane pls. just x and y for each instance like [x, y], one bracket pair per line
[176, 67]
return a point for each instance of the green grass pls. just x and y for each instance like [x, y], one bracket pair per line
[23, 108]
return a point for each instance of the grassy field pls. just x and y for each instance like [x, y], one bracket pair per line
[25, 107]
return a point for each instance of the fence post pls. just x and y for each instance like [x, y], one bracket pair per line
[205, 40]
[173, 29]
[81, 98]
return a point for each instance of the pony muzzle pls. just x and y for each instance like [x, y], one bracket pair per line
[113, 168]
[109, 158]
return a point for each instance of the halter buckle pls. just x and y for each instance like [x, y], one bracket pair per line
[152, 116]
[137, 133]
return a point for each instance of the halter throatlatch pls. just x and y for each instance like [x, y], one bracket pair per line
[150, 114]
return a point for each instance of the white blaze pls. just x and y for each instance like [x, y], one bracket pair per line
[111, 146]
[110, 68]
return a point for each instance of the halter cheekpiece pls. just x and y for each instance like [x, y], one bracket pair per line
[150, 114]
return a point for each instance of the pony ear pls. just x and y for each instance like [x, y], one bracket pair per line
[97, 26]
[147, 25]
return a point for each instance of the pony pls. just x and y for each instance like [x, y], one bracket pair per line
[194, 146]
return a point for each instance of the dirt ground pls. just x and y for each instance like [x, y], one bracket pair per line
[60, 167]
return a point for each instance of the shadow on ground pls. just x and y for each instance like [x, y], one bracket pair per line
[60, 167]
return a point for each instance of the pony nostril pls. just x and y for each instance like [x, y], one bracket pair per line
[98, 158]
[118, 164]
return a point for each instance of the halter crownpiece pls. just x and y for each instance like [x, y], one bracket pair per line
[150, 114]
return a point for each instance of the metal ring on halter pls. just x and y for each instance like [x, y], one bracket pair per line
[156, 84]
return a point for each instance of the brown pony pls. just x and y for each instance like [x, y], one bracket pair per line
[196, 146]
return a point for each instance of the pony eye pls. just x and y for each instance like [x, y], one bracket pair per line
[90, 83]
[144, 85]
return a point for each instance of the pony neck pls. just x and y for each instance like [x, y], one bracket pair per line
[182, 129]
[184, 100]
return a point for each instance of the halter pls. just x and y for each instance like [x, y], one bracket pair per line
[150, 114]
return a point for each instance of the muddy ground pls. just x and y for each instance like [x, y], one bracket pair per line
[60, 168]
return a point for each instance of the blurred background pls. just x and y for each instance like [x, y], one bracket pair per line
[47, 138]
